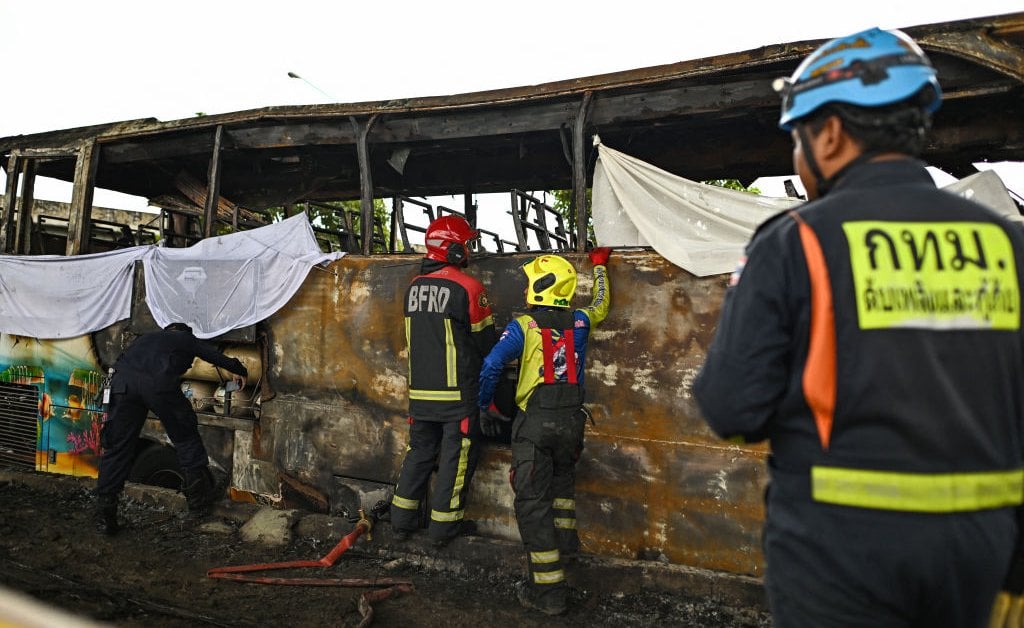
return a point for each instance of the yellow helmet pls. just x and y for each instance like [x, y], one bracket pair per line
[550, 280]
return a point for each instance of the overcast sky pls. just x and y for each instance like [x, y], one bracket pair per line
[71, 63]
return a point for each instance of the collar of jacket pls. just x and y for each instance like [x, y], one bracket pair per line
[882, 173]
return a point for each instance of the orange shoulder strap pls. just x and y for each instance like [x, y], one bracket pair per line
[819, 380]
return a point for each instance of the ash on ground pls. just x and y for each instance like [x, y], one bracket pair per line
[153, 574]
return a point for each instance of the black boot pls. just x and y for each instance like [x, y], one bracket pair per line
[200, 490]
[106, 513]
[550, 600]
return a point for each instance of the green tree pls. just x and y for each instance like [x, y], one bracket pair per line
[732, 184]
[332, 220]
[563, 205]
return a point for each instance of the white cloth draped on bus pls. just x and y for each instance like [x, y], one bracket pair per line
[216, 285]
[704, 228]
[54, 296]
[230, 281]
[699, 227]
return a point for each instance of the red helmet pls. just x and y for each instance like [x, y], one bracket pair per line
[448, 240]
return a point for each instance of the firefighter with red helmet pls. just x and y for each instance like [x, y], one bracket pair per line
[873, 337]
[550, 342]
[449, 329]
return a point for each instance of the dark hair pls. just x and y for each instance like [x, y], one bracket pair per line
[901, 127]
[178, 327]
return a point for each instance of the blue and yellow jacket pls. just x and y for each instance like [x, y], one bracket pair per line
[521, 340]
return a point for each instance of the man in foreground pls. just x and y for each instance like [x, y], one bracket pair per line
[873, 336]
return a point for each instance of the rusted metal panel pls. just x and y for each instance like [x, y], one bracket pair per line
[653, 481]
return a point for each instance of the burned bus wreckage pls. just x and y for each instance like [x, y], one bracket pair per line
[322, 424]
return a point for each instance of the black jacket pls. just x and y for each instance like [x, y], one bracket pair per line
[928, 352]
[449, 329]
[162, 357]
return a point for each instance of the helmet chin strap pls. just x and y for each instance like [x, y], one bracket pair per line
[821, 183]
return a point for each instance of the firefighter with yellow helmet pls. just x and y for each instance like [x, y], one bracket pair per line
[550, 342]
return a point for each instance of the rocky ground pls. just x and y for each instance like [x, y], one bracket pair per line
[154, 574]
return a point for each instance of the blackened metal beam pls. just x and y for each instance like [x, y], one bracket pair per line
[365, 180]
[81, 198]
[213, 187]
[579, 172]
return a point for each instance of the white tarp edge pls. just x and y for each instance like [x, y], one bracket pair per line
[701, 228]
[230, 281]
[704, 228]
[218, 284]
[53, 296]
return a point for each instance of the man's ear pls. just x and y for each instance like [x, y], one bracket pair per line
[833, 146]
[829, 141]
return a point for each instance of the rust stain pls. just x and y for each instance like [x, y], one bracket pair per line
[653, 480]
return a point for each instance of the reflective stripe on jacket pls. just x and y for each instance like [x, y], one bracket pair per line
[513, 345]
[874, 337]
[449, 328]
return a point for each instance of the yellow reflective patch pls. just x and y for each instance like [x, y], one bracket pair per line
[933, 275]
[562, 503]
[405, 504]
[549, 556]
[483, 324]
[435, 395]
[408, 349]
[460, 473]
[548, 577]
[447, 517]
[565, 523]
[449, 353]
[918, 492]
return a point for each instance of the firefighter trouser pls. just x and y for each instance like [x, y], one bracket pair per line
[453, 448]
[830, 566]
[545, 449]
[120, 433]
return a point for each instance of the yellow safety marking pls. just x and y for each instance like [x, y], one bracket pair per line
[447, 517]
[549, 556]
[460, 474]
[406, 504]
[918, 492]
[548, 577]
[435, 395]
[933, 275]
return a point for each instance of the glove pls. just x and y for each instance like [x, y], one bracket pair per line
[491, 419]
[599, 256]
[1007, 611]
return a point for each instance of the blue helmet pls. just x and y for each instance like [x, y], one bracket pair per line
[871, 68]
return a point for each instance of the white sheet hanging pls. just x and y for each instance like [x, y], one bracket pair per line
[55, 296]
[216, 285]
[704, 228]
[699, 227]
[230, 281]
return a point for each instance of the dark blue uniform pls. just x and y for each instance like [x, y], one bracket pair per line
[449, 328]
[147, 377]
[874, 338]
